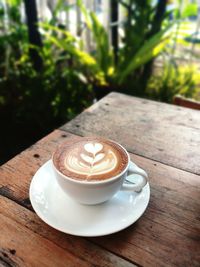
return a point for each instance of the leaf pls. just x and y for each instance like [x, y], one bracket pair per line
[104, 55]
[103, 51]
[61, 6]
[191, 9]
[83, 57]
[46, 26]
[86, 62]
[13, 2]
[150, 49]
[85, 13]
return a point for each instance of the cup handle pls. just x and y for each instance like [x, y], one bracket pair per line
[137, 187]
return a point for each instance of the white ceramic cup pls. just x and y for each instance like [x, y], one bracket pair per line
[95, 192]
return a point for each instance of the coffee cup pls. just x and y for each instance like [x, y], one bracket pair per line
[91, 170]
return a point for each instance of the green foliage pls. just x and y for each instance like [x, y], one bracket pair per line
[178, 75]
[64, 86]
[173, 80]
[41, 100]
[190, 9]
[104, 55]
[149, 50]
[98, 68]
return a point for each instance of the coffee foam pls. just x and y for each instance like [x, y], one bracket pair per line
[90, 159]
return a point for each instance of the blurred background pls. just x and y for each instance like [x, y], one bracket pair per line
[57, 57]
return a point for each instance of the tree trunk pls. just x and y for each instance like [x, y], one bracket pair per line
[34, 35]
[114, 30]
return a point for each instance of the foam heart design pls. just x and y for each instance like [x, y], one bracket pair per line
[92, 160]
[93, 148]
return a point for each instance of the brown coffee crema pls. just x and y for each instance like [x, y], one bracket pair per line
[90, 159]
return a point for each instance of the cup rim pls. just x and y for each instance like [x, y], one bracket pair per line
[85, 182]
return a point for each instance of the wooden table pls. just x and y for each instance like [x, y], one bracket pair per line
[165, 141]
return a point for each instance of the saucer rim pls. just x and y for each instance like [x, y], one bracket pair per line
[73, 233]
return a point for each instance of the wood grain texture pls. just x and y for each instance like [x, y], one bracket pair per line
[16, 174]
[31, 249]
[168, 234]
[162, 132]
[15, 178]
[27, 241]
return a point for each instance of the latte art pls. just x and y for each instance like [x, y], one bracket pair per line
[90, 159]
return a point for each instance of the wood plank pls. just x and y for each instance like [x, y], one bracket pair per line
[151, 243]
[162, 132]
[17, 173]
[167, 235]
[174, 192]
[186, 102]
[21, 247]
[27, 241]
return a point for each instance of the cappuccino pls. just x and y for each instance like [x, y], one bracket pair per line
[90, 159]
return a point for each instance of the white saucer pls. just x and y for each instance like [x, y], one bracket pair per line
[56, 209]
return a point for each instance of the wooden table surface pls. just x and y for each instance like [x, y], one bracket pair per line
[162, 139]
